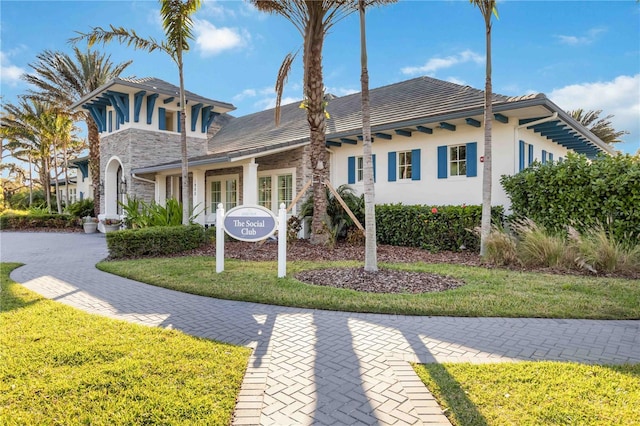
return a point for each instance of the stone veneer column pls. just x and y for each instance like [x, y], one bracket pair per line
[250, 182]
[199, 202]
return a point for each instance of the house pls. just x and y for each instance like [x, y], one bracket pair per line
[84, 189]
[427, 144]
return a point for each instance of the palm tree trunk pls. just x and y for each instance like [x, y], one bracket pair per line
[485, 227]
[30, 182]
[66, 172]
[55, 176]
[45, 177]
[183, 144]
[370, 253]
[314, 91]
[94, 162]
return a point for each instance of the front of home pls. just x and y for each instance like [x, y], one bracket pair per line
[428, 139]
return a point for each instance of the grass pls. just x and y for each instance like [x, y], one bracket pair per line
[487, 293]
[535, 393]
[62, 366]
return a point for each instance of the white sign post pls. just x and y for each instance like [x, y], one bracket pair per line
[220, 238]
[282, 241]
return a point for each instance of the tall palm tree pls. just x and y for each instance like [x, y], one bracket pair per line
[63, 79]
[33, 129]
[178, 29]
[601, 127]
[487, 8]
[312, 19]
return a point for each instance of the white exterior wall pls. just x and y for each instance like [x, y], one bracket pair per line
[454, 190]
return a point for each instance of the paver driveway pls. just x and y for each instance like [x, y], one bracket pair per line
[311, 366]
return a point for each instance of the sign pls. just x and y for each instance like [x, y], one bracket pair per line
[250, 223]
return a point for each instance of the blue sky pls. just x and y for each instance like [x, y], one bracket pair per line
[581, 54]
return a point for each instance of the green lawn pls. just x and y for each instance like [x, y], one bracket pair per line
[487, 293]
[535, 393]
[62, 366]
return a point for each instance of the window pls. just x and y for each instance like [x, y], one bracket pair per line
[285, 190]
[404, 165]
[359, 169]
[231, 194]
[458, 160]
[223, 190]
[525, 155]
[264, 191]
[170, 120]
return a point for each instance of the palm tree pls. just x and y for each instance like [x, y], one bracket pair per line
[178, 26]
[34, 130]
[312, 19]
[487, 8]
[601, 127]
[62, 79]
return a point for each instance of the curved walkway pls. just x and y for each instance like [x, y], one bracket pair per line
[311, 366]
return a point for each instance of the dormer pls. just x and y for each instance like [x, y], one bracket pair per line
[149, 104]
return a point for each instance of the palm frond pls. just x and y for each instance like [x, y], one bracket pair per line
[281, 81]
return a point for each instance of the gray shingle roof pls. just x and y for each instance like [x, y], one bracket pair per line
[154, 85]
[413, 100]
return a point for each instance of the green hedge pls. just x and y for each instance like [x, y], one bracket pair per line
[30, 221]
[581, 193]
[154, 241]
[434, 228]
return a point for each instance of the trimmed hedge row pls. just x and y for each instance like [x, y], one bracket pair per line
[154, 241]
[434, 228]
[30, 221]
[581, 193]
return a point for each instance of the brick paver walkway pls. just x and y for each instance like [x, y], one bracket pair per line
[310, 366]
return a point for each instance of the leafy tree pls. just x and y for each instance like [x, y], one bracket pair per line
[63, 79]
[178, 26]
[35, 131]
[601, 127]
[487, 8]
[312, 19]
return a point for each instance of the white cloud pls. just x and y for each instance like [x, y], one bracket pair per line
[9, 73]
[341, 91]
[572, 40]
[435, 64]
[246, 93]
[619, 97]
[212, 40]
[216, 9]
[270, 102]
[456, 80]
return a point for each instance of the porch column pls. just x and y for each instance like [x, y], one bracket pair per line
[199, 202]
[250, 182]
[161, 190]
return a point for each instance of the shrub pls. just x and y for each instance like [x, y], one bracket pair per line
[29, 221]
[501, 247]
[339, 222]
[434, 228]
[154, 241]
[81, 208]
[598, 252]
[580, 193]
[139, 214]
[538, 247]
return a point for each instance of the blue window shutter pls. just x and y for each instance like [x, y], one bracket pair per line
[179, 122]
[392, 166]
[162, 124]
[110, 121]
[551, 157]
[373, 160]
[530, 155]
[472, 159]
[351, 166]
[521, 156]
[442, 162]
[415, 164]
[544, 157]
